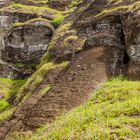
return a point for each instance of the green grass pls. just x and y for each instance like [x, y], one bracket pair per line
[8, 87]
[20, 65]
[112, 114]
[74, 3]
[6, 114]
[45, 90]
[55, 22]
[37, 2]
[28, 88]
[130, 7]
[39, 11]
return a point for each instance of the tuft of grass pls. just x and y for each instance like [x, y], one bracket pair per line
[20, 65]
[59, 34]
[27, 89]
[3, 105]
[45, 90]
[8, 88]
[131, 7]
[112, 113]
[55, 22]
[35, 10]
[6, 114]
[74, 3]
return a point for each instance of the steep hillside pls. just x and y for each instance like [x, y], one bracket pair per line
[112, 113]
[63, 50]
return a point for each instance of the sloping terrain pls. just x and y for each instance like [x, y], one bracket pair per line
[112, 113]
[96, 41]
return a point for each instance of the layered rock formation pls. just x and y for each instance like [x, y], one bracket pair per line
[24, 38]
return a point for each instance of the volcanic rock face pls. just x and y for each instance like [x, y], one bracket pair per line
[4, 3]
[60, 5]
[132, 42]
[5, 21]
[110, 25]
[108, 32]
[25, 45]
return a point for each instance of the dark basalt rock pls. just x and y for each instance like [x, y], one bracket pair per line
[7, 19]
[60, 5]
[5, 3]
[116, 29]
[25, 45]
[9, 71]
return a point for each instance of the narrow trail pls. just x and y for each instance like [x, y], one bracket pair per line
[76, 85]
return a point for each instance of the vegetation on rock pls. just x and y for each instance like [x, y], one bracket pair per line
[8, 89]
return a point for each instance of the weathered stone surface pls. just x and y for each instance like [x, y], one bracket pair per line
[5, 3]
[5, 21]
[60, 5]
[25, 45]
[116, 29]
[7, 70]
[132, 42]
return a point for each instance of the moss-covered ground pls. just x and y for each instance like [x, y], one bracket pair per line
[8, 88]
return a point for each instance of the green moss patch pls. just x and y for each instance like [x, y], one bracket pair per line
[36, 79]
[39, 11]
[8, 88]
[60, 32]
[45, 90]
[6, 114]
[55, 22]
[131, 7]
[74, 3]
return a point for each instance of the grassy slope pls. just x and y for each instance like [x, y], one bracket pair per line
[113, 113]
[8, 88]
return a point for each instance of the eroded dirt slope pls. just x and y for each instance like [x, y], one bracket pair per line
[86, 71]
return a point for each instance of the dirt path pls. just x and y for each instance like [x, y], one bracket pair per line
[76, 86]
[86, 71]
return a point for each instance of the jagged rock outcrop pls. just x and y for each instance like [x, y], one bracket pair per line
[24, 46]
[25, 32]
[100, 40]
[5, 3]
[27, 43]
[60, 5]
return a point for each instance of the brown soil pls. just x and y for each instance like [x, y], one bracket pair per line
[86, 71]
[76, 85]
